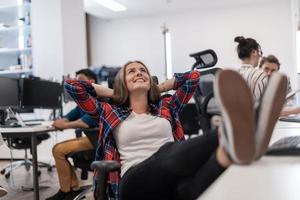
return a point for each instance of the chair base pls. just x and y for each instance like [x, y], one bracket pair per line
[86, 190]
[27, 163]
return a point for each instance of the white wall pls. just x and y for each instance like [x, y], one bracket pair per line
[59, 47]
[58, 37]
[114, 42]
[74, 34]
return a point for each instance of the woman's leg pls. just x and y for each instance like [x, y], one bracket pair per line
[158, 175]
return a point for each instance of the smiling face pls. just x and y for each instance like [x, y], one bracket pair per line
[137, 77]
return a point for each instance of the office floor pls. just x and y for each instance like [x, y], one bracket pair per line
[21, 178]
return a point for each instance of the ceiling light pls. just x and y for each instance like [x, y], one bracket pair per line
[112, 5]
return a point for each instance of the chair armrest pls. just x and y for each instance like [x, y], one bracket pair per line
[102, 169]
[106, 166]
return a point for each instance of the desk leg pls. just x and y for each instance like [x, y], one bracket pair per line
[35, 166]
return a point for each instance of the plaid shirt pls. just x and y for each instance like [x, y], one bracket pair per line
[110, 116]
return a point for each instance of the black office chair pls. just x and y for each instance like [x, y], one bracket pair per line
[23, 143]
[189, 120]
[83, 159]
[204, 96]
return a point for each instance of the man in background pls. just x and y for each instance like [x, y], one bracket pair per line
[76, 118]
[269, 65]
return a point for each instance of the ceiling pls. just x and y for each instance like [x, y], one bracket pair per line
[140, 8]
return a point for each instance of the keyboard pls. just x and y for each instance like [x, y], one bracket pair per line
[295, 118]
[287, 146]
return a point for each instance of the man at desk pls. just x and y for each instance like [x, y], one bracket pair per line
[269, 65]
[76, 118]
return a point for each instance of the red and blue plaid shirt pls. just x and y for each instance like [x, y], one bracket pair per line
[110, 116]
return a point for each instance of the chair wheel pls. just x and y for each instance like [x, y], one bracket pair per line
[7, 175]
[39, 173]
[2, 171]
[49, 169]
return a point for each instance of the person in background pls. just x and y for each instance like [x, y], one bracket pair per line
[142, 131]
[269, 65]
[249, 52]
[76, 118]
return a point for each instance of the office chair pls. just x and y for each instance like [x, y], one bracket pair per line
[189, 120]
[23, 143]
[205, 103]
[83, 159]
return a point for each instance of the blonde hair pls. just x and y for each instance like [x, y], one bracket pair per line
[121, 94]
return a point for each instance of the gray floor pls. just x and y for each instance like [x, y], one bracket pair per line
[21, 178]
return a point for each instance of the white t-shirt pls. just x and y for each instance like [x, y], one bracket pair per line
[140, 136]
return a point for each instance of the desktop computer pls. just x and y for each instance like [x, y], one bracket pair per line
[9, 98]
[36, 93]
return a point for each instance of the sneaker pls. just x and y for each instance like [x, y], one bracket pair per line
[236, 104]
[3, 192]
[268, 112]
[60, 195]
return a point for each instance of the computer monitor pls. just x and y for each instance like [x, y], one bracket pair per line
[9, 93]
[36, 93]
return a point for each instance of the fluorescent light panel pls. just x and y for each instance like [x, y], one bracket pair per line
[298, 50]
[168, 54]
[112, 5]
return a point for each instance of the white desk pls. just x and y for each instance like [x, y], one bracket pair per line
[271, 178]
[29, 132]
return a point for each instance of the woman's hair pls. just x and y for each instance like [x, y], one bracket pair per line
[121, 94]
[271, 59]
[245, 46]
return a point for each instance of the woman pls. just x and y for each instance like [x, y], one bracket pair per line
[143, 132]
[249, 51]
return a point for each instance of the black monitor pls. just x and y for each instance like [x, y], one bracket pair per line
[36, 93]
[9, 93]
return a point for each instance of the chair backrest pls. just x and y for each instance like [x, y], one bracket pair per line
[204, 98]
[205, 104]
[189, 120]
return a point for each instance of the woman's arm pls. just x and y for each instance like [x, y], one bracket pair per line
[167, 85]
[103, 91]
[286, 111]
[185, 85]
[84, 95]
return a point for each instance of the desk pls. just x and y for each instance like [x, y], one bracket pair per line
[29, 132]
[270, 178]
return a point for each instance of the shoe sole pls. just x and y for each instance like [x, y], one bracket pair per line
[271, 105]
[236, 103]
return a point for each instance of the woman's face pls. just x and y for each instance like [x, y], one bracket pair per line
[137, 77]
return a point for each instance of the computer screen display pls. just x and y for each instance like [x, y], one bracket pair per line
[9, 93]
[37, 93]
